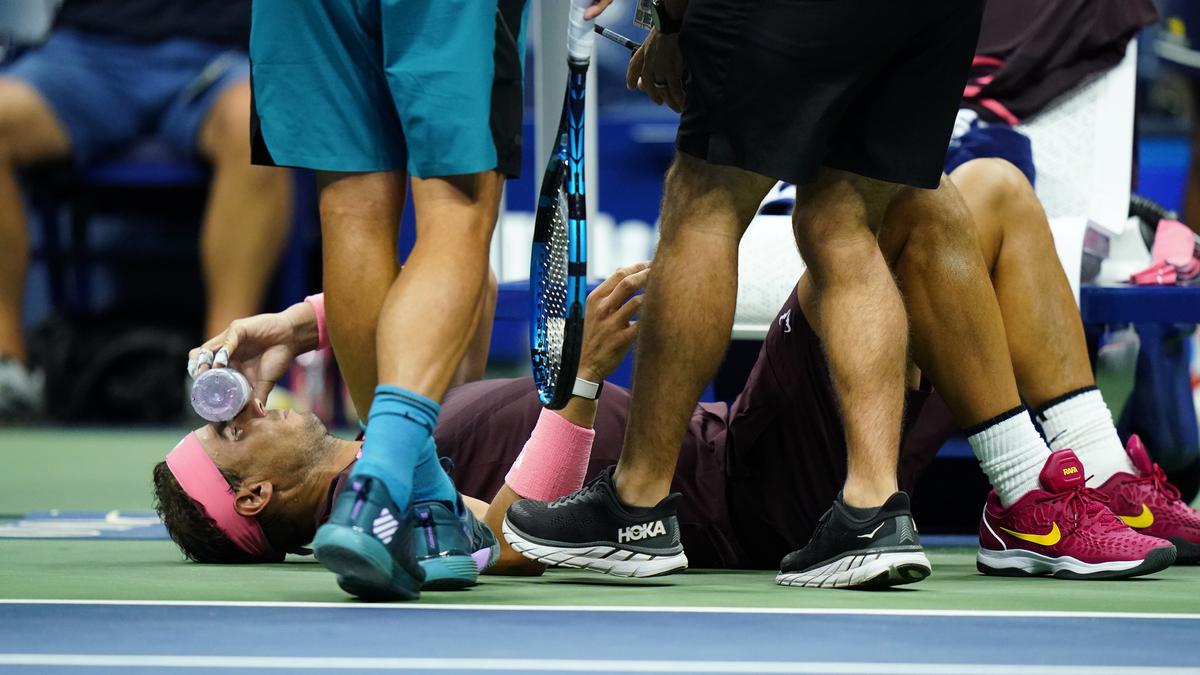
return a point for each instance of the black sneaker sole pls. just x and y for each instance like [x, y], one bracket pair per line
[1186, 553]
[603, 558]
[863, 570]
[1030, 564]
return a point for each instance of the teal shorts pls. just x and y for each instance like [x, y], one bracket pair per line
[430, 86]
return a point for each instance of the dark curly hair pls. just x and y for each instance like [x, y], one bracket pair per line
[198, 536]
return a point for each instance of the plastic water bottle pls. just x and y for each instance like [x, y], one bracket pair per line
[219, 394]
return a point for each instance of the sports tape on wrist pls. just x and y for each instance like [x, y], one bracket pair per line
[554, 459]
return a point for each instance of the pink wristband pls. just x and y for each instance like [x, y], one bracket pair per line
[553, 461]
[318, 304]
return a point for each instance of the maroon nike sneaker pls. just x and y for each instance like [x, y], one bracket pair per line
[1064, 530]
[1149, 504]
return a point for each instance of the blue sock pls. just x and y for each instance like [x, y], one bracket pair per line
[430, 481]
[399, 427]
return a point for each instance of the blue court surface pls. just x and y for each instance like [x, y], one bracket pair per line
[39, 636]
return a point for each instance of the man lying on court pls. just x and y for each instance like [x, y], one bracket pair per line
[755, 477]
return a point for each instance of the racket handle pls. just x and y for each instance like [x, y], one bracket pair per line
[580, 37]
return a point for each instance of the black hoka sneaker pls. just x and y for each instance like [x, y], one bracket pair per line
[367, 543]
[591, 529]
[845, 552]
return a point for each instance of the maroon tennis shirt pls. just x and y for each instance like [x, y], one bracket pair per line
[755, 477]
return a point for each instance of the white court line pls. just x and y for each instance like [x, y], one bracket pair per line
[814, 611]
[563, 665]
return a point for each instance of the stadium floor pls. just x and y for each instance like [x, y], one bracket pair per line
[121, 604]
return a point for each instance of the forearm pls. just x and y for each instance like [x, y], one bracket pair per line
[552, 464]
[579, 411]
[306, 320]
[570, 445]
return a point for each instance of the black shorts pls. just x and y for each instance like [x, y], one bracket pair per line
[784, 87]
[785, 448]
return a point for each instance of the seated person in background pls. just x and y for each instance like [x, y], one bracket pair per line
[755, 477]
[110, 73]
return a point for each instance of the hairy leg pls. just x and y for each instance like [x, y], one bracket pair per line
[687, 316]
[857, 311]
[431, 311]
[360, 217]
[29, 132]
[247, 216]
[474, 362]
[1045, 335]
[958, 332]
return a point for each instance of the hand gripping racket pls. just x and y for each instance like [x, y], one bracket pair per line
[558, 263]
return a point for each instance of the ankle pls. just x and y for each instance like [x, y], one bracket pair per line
[634, 489]
[867, 494]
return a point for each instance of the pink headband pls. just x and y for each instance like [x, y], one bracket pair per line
[200, 478]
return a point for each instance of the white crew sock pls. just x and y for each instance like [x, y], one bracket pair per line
[1081, 421]
[1011, 454]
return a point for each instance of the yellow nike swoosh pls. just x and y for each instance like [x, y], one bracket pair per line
[1142, 520]
[1049, 539]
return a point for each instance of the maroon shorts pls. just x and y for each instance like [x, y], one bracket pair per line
[786, 452]
[755, 478]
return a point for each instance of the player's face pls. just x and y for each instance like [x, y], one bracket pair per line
[275, 445]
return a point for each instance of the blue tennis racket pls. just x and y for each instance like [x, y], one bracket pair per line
[558, 264]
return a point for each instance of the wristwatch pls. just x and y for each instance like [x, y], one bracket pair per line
[663, 21]
[587, 389]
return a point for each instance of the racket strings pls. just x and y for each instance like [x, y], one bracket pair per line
[552, 291]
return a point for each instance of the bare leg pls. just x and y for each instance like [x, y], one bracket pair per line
[1045, 336]
[958, 332]
[247, 217]
[430, 312]
[474, 362]
[29, 132]
[360, 216]
[858, 313]
[687, 316]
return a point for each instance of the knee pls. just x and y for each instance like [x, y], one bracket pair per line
[225, 134]
[1005, 196]
[997, 180]
[937, 230]
[703, 197]
[830, 225]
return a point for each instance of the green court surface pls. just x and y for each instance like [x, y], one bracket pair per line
[103, 470]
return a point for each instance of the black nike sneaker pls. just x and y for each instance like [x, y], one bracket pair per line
[591, 529]
[846, 552]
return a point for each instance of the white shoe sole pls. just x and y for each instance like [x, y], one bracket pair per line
[609, 560]
[1017, 562]
[863, 570]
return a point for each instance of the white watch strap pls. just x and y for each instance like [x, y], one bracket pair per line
[586, 389]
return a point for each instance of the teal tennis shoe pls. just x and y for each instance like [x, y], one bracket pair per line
[368, 544]
[451, 549]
